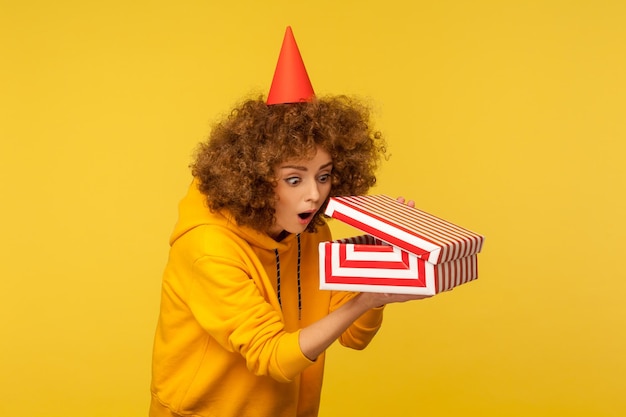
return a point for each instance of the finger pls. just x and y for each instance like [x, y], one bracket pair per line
[403, 200]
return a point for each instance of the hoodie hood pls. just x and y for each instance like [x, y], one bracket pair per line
[193, 211]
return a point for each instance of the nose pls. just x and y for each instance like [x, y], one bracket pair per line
[313, 192]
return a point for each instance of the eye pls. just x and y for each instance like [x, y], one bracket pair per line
[293, 181]
[324, 178]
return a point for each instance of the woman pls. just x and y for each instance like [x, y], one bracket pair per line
[243, 325]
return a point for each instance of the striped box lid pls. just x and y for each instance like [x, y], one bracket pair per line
[433, 239]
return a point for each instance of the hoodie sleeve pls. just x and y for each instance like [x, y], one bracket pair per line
[230, 307]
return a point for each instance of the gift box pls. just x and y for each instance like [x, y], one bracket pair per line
[405, 250]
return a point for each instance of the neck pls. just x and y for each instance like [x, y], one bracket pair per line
[280, 236]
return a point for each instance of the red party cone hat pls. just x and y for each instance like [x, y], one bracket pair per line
[291, 82]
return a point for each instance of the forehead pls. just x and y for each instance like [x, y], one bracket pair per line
[318, 158]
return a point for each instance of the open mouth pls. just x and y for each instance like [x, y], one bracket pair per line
[306, 215]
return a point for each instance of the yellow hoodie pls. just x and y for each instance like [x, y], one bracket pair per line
[226, 342]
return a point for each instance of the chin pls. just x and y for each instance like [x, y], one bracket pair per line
[298, 230]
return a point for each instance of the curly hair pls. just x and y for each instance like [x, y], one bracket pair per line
[235, 166]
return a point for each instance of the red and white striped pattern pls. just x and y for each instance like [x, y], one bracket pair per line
[428, 237]
[364, 263]
[406, 250]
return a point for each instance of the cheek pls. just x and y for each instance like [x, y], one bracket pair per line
[326, 189]
[284, 202]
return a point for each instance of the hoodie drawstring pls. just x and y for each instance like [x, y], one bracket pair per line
[298, 277]
[299, 290]
[278, 277]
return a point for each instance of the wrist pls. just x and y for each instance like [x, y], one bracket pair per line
[369, 301]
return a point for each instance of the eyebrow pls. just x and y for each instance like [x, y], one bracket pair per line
[303, 168]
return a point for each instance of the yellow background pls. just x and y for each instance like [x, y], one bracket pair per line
[506, 117]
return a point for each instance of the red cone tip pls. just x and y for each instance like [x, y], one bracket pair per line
[291, 82]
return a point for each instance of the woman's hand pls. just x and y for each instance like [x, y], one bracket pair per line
[372, 299]
[409, 203]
